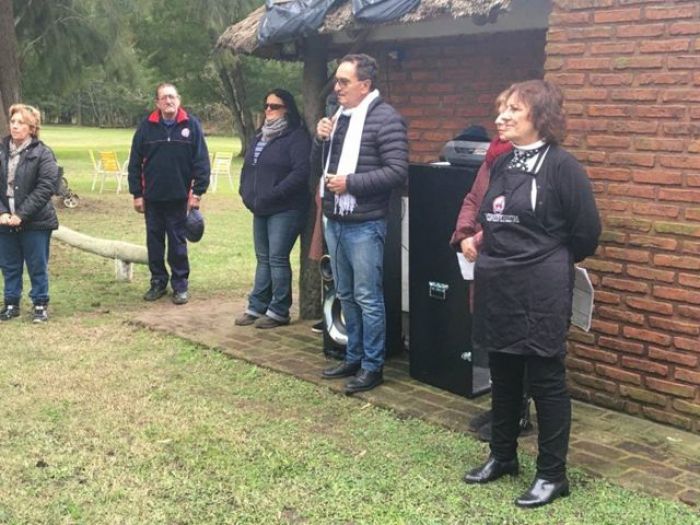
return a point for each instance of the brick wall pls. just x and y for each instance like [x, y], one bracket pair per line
[630, 70]
[443, 85]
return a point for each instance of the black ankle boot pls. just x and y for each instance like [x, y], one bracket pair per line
[543, 492]
[492, 470]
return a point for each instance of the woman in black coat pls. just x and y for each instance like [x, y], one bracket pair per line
[28, 177]
[539, 217]
[274, 186]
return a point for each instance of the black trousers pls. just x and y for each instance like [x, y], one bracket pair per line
[167, 217]
[547, 387]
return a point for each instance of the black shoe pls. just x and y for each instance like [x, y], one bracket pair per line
[154, 293]
[479, 421]
[342, 370]
[245, 319]
[492, 470]
[317, 328]
[181, 297]
[40, 314]
[9, 311]
[268, 322]
[543, 492]
[363, 381]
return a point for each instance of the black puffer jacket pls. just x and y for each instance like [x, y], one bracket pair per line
[36, 179]
[382, 164]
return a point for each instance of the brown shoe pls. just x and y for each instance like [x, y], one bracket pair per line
[269, 322]
[245, 319]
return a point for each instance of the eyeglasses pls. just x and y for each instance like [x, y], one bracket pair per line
[273, 107]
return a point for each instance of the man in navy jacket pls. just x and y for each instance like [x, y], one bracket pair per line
[168, 174]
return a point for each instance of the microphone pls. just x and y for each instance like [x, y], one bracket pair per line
[331, 105]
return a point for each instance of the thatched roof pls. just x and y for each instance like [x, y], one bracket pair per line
[243, 36]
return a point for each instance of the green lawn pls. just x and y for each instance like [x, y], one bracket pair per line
[106, 423]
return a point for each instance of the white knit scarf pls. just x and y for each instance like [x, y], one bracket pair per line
[350, 152]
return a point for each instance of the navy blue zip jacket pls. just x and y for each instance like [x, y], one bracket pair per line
[165, 160]
[279, 180]
[36, 179]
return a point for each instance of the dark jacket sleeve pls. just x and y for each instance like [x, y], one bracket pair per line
[467, 224]
[582, 219]
[43, 190]
[200, 161]
[299, 155]
[135, 164]
[392, 149]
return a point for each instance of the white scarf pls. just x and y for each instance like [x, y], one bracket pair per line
[350, 152]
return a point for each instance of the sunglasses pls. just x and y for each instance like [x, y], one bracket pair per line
[273, 107]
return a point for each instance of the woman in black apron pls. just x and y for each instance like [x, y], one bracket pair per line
[538, 218]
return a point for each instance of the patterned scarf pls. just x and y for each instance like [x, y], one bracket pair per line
[521, 156]
[13, 162]
[274, 128]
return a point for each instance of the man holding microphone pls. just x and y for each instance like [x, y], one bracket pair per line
[363, 149]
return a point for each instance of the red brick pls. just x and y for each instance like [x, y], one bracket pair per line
[673, 357]
[604, 327]
[637, 256]
[667, 387]
[683, 62]
[679, 195]
[648, 305]
[656, 241]
[688, 376]
[638, 95]
[603, 173]
[684, 28]
[673, 261]
[578, 364]
[652, 144]
[567, 79]
[691, 247]
[620, 315]
[680, 128]
[675, 112]
[590, 32]
[643, 396]
[625, 285]
[564, 19]
[636, 127]
[618, 375]
[590, 63]
[611, 205]
[692, 345]
[586, 94]
[607, 297]
[608, 236]
[599, 265]
[611, 48]
[676, 294]
[617, 15]
[566, 49]
[667, 417]
[651, 274]
[689, 312]
[681, 95]
[593, 382]
[687, 279]
[648, 336]
[669, 325]
[632, 159]
[584, 4]
[692, 180]
[611, 79]
[645, 366]
[660, 210]
[668, 178]
[640, 30]
[626, 190]
[638, 62]
[669, 13]
[664, 46]
[663, 78]
[629, 223]
[621, 345]
[595, 355]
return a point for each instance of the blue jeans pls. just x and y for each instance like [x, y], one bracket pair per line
[357, 261]
[274, 237]
[32, 248]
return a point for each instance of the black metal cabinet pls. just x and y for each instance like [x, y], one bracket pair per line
[440, 350]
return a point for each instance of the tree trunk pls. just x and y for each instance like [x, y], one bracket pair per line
[228, 66]
[315, 65]
[9, 65]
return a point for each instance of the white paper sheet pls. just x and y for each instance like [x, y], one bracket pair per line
[582, 304]
[466, 267]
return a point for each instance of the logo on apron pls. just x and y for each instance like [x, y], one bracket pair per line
[499, 204]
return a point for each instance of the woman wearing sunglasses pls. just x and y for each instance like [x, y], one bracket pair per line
[274, 186]
[28, 177]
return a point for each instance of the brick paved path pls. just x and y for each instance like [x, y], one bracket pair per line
[632, 452]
